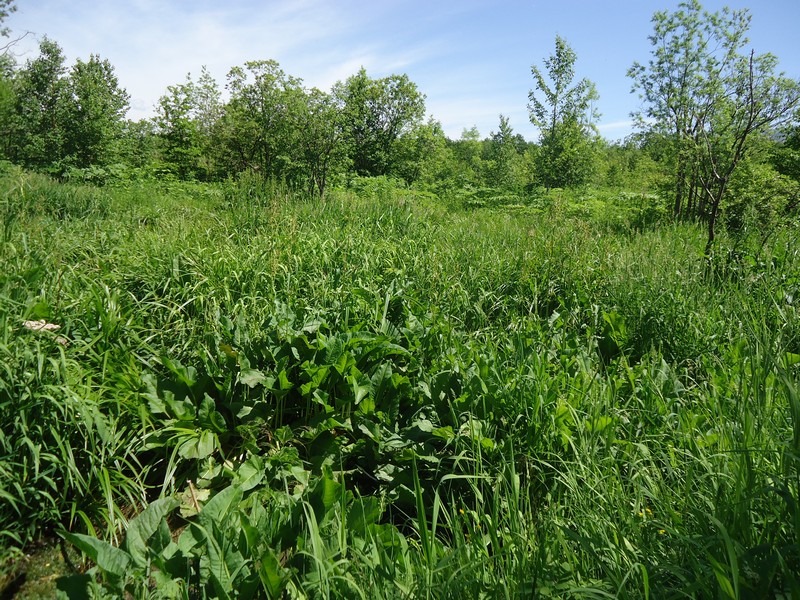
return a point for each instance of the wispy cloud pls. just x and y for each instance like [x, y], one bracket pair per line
[616, 125]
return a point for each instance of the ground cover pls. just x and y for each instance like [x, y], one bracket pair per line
[250, 394]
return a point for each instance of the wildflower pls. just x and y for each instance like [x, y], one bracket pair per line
[662, 531]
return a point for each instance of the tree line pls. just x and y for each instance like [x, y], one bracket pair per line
[717, 122]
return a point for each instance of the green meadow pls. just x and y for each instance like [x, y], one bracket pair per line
[256, 394]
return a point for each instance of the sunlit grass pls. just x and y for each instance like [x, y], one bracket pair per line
[520, 403]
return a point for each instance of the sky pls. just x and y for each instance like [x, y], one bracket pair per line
[471, 58]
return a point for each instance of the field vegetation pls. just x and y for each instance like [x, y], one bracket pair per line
[241, 362]
[275, 394]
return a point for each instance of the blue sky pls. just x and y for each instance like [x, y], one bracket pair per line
[471, 58]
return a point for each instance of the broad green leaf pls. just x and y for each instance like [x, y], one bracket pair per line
[343, 363]
[252, 377]
[154, 402]
[182, 409]
[192, 537]
[143, 526]
[445, 433]
[76, 587]
[324, 496]
[283, 381]
[111, 560]
[207, 443]
[218, 571]
[187, 375]
[250, 473]
[362, 513]
[333, 351]
[273, 576]
[220, 505]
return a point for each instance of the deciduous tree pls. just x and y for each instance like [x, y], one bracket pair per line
[94, 108]
[6, 8]
[504, 158]
[37, 133]
[564, 113]
[712, 97]
[317, 149]
[255, 128]
[187, 117]
[376, 113]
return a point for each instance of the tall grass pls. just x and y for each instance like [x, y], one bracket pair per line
[411, 400]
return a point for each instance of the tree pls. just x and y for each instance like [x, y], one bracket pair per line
[255, 128]
[186, 117]
[504, 151]
[139, 144]
[565, 116]
[93, 112]
[786, 156]
[712, 99]
[7, 103]
[467, 152]
[178, 131]
[376, 113]
[424, 158]
[318, 150]
[37, 134]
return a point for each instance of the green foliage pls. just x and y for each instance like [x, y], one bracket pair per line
[759, 200]
[37, 124]
[786, 157]
[566, 157]
[6, 8]
[504, 162]
[564, 114]
[265, 394]
[376, 112]
[61, 120]
[710, 101]
[179, 134]
[95, 106]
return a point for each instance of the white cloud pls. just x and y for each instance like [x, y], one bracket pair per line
[616, 125]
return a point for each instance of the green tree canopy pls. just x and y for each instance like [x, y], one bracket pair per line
[376, 113]
[61, 118]
[186, 120]
[94, 111]
[504, 151]
[37, 134]
[255, 128]
[711, 98]
[6, 8]
[564, 113]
